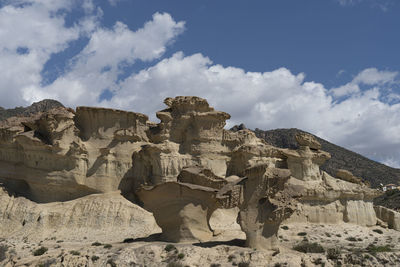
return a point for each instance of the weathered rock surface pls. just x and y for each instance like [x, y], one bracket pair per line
[181, 169]
[391, 217]
[324, 199]
[61, 155]
[95, 217]
[348, 176]
[265, 205]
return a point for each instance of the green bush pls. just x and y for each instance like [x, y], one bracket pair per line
[302, 234]
[107, 246]
[352, 239]
[377, 249]
[285, 227]
[181, 256]
[169, 248]
[75, 253]
[379, 231]
[94, 258]
[97, 244]
[307, 247]
[40, 251]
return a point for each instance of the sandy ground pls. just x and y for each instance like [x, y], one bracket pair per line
[350, 241]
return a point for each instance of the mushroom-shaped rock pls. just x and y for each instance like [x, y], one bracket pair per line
[264, 206]
[182, 210]
[304, 139]
[304, 163]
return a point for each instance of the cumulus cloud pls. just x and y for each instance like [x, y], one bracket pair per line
[371, 77]
[353, 115]
[93, 70]
[37, 28]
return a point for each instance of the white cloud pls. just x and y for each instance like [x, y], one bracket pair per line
[97, 66]
[370, 76]
[384, 5]
[373, 76]
[113, 2]
[348, 2]
[39, 28]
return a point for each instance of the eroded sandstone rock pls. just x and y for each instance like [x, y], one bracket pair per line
[265, 205]
[183, 209]
[391, 217]
[182, 169]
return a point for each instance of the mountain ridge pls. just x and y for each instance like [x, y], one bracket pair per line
[40, 106]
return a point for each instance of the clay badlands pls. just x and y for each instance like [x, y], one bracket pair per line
[104, 187]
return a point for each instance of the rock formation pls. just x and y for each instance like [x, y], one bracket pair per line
[94, 217]
[390, 217]
[181, 169]
[265, 205]
[322, 198]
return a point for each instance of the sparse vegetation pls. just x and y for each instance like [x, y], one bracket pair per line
[94, 258]
[75, 253]
[352, 239]
[302, 234]
[372, 249]
[244, 264]
[379, 231]
[107, 246]
[333, 253]
[112, 263]
[231, 257]
[181, 256]
[97, 244]
[169, 248]
[307, 247]
[215, 265]
[285, 227]
[3, 250]
[40, 251]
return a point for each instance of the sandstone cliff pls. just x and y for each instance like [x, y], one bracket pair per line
[182, 169]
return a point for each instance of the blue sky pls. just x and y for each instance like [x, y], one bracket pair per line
[329, 67]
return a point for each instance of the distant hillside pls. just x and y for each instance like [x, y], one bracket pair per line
[342, 158]
[40, 106]
[391, 200]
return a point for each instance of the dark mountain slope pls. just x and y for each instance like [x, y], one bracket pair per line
[391, 200]
[40, 106]
[342, 158]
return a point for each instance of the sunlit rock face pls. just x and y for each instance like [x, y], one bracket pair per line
[181, 169]
[62, 154]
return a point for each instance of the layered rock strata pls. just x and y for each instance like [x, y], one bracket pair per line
[265, 205]
[183, 209]
[391, 217]
[322, 198]
[181, 169]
